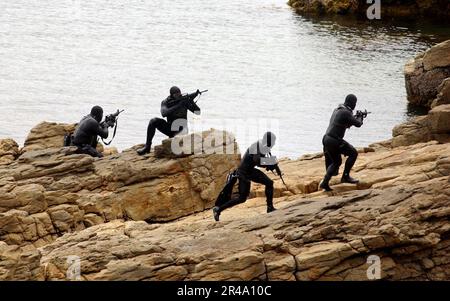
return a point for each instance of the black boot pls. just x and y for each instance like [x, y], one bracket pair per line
[325, 184]
[144, 150]
[270, 208]
[347, 179]
[216, 213]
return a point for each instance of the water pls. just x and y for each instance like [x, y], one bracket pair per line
[259, 60]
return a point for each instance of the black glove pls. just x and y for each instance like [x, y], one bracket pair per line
[111, 123]
[184, 101]
[270, 167]
[361, 114]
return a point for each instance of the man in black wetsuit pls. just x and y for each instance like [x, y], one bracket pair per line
[257, 155]
[174, 108]
[334, 144]
[85, 136]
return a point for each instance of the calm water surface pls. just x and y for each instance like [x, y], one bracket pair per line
[264, 66]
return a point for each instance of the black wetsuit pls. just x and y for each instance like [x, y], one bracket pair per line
[176, 112]
[85, 136]
[248, 173]
[334, 144]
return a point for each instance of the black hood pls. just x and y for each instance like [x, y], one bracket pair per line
[174, 90]
[97, 113]
[267, 143]
[350, 101]
[269, 139]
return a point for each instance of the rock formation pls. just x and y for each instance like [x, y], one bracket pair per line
[47, 135]
[425, 75]
[51, 135]
[47, 193]
[403, 8]
[130, 217]
[306, 239]
[9, 151]
[55, 204]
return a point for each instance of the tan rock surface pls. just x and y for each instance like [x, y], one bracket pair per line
[47, 135]
[382, 168]
[46, 193]
[398, 212]
[424, 75]
[9, 151]
[443, 96]
[329, 238]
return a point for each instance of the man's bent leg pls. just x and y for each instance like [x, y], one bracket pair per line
[258, 176]
[348, 150]
[244, 190]
[155, 123]
[89, 150]
[331, 150]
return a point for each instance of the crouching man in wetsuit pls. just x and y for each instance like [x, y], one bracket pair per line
[334, 144]
[174, 108]
[257, 155]
[85, 136]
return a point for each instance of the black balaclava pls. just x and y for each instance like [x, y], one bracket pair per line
[350, 101]
[174, 90]
[269, 139]
[97, 113]
[267, 142]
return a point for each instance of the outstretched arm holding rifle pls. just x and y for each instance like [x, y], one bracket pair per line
[174, 108]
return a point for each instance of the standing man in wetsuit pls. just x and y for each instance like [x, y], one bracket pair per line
[174, 108]
[334, 144]
[85, 136]
[257, 155]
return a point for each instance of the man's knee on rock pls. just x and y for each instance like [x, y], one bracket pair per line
[153, 121]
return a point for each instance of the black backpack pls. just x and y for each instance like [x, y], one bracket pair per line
[225, 194]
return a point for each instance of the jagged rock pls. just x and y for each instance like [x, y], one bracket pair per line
[325, 6]
[108, 151]
[304, 239]
[385, 167]
[440, 119]
[398, 212]
[20, 263]
[425, 74]
[47, 135]
[434, 126]
[411, 132]
[9, 151]
[46, 193]
[51, 135]
[208, 142]
[443, 96]
[402, 8]
[56, 204]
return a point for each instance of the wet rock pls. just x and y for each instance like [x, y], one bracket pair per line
[424, 75]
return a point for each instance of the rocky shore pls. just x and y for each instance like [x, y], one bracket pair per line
[128, 217]
[397, 9]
